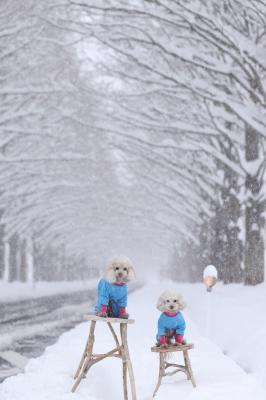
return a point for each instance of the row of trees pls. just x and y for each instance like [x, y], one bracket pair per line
[21, 261]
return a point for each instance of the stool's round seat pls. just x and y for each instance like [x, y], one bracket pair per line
[169, 349]
[93, 317]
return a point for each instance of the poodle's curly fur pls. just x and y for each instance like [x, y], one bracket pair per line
[119, 268]
[170, 301]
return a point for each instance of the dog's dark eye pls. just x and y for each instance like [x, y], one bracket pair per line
[175, 301]
[167, 301]
[125, 269]
[117, 268]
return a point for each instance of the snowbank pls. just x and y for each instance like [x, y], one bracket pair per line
[18, 290]
[217, 376]
[238, 323]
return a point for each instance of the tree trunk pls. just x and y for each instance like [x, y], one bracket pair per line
[6, 262]
[254, 250]
[232, 243]
[14, 274]
[232, 262]
[254, 244]
[227, 244]
[29, 261]
[18, 261]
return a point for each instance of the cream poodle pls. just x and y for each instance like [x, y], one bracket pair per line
[113, 288]
[171, 324]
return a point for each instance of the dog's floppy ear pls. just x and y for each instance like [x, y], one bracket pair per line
[181, 302]
[131, 273]
[160, 303]
[109, 273]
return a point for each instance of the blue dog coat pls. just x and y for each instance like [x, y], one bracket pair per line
[111, 293]
[175, 322]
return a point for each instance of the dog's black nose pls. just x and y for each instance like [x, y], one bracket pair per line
[171, 307]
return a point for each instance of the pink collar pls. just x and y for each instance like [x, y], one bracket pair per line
[120, 283]
[170, 314]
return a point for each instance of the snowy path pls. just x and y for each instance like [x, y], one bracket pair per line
[50, 376]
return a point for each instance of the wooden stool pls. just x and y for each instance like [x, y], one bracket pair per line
[164, 364]
[88, 359]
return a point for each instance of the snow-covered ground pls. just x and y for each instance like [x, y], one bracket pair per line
[217, 375]
[18, 290]
[238, 323]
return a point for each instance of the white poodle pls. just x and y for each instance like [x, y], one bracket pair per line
[112, 289]
[171, 324]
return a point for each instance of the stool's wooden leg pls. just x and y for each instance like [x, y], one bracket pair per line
[128, 361]
[124, 361]
[82, 358]
[161, 373]
[125, 378]
[188, 366]
[86, 358]
[82, 375]
[113, 333]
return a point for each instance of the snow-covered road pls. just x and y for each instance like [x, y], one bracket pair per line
[23, 318]
[51, 376]
[28, 326]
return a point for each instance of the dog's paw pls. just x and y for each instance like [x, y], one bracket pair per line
[102, 314]
[124, 316]
[180, 343]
